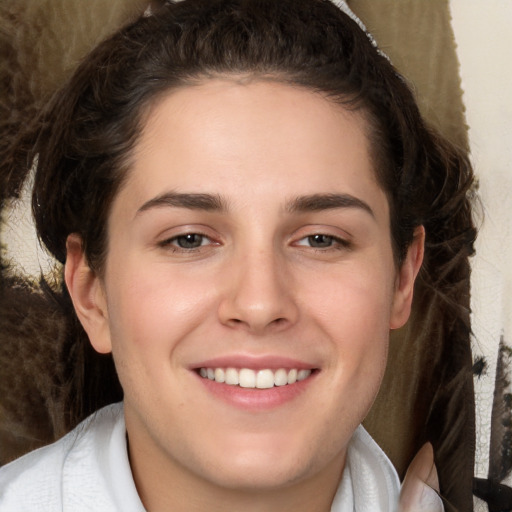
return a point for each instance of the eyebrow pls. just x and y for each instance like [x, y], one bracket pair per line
[318, 202]
[208, 202]
[215, 203]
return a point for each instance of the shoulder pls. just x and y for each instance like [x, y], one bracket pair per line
[45, 478]
[33, 481]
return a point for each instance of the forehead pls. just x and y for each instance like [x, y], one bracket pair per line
[225, 135]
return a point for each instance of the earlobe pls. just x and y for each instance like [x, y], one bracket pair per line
[88, 296]
[407, 273]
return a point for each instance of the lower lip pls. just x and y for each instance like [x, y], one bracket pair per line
[257, 399]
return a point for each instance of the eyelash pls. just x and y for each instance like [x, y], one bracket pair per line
[335, 243]
[172, 243]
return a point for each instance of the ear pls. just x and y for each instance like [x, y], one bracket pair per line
[88, 296]
[407, 273]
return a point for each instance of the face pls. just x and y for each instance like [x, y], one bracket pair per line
[249, 286]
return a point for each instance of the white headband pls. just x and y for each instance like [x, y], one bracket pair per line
[342, 4]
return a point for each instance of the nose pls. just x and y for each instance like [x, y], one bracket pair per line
[258, 295]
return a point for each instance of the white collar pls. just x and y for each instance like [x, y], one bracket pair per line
[370, 481]
[99, 459]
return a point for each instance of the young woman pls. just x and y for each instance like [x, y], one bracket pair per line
[239, 191]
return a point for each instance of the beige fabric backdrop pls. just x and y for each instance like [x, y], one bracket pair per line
[418, 38]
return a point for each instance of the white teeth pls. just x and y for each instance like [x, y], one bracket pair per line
[247, 378]
[265, 379]
[281, 377]
[292, 377]
[261, 379]
[303, 374]
[231, 377]
[220, 376]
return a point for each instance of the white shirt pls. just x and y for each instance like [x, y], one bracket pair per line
[88, 469]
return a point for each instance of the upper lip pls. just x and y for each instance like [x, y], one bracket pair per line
[253, 362]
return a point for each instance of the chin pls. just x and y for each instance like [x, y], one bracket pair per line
[269, 464]
[259, 475]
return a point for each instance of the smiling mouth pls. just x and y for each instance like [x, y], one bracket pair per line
[255, 379]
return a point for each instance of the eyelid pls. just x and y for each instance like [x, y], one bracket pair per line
[336, 233]
[171, 240]
[338, 242]
[167, 237]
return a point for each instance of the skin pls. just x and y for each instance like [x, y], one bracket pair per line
[257, 286]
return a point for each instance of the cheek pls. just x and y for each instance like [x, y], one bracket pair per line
[354, 300]
[151, 312]
[152, 307]
[353, 309]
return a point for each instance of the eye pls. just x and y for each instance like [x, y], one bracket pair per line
[190, 240]
[322, 241]
[187, 241]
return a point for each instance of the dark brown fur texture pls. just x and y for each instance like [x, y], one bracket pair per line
[33, 368]
[41, 42]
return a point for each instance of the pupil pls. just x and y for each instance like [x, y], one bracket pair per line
[320, 240]
[190, 241]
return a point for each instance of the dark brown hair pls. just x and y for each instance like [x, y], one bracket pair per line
[83, 141]
[83, 151]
